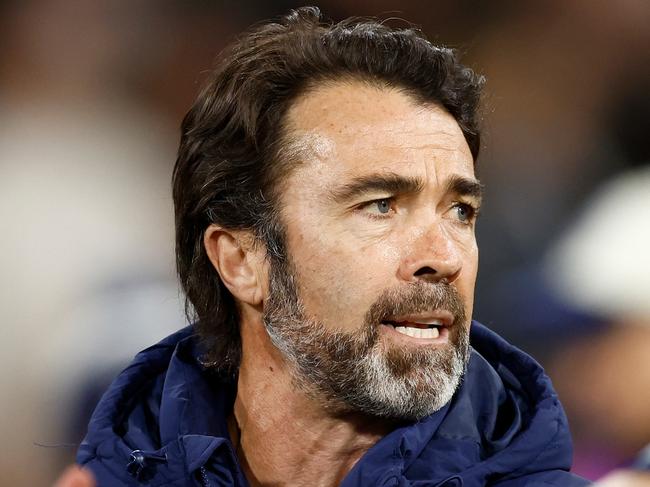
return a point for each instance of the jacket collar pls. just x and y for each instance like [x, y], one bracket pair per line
[505, 421]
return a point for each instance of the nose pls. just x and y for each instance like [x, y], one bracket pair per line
[433, 257]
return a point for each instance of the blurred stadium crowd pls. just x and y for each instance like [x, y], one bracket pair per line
[91, 97]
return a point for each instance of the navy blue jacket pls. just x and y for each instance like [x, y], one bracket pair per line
[163, 422]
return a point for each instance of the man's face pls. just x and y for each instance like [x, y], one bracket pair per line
[373, 305]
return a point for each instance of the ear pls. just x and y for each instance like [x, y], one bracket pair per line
[238, 261]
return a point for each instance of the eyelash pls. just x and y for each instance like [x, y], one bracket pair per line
[377, 216]
[472, 211]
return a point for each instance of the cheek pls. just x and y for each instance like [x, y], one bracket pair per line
[337, 281]
[471, 261]
[468, 277]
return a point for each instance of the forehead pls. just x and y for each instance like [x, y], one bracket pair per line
[349, 127]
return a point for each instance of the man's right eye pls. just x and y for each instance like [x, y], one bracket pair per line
[378, 208]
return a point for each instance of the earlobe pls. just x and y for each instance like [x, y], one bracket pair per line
[233, 256]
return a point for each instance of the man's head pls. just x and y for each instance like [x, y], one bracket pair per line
[325, 180]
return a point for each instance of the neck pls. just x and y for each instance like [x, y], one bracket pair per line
[284, 436]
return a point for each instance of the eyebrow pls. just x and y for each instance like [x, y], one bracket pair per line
[384, 182]
[397, 184]
[463, 186]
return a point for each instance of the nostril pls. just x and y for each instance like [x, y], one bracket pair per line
[422, 271]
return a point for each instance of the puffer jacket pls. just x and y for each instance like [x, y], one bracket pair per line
[163, 423]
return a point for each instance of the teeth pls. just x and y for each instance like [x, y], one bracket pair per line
[418, 332]
[434, 322]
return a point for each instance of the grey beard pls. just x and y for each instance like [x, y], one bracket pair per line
[356, 372]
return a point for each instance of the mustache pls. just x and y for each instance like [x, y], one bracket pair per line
[417, 297]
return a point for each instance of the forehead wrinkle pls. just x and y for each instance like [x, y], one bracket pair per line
[410, 141]
[315, 114]
[396, 133]
[317, 132]
[315, 110]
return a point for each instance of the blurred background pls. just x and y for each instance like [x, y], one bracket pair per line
[91, 97]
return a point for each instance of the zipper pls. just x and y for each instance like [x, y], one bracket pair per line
[205, 481]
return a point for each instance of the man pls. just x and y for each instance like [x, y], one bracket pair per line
[325, 208]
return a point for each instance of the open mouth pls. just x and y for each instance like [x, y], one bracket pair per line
[431, 329]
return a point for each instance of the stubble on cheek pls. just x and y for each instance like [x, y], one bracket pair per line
[330, 295]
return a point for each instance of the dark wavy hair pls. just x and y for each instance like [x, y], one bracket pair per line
[229, 162]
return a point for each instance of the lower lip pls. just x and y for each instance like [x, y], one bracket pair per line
[442, 338]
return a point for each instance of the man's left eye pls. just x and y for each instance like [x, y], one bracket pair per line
[465, 212]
